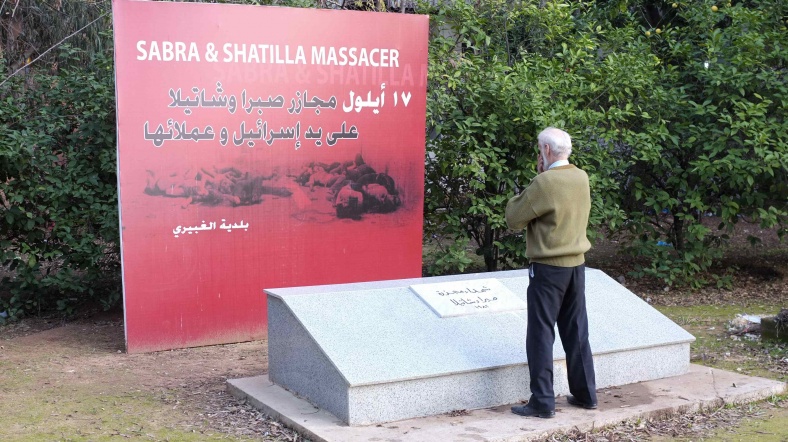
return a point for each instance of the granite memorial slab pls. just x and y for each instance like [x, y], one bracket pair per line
[377, 352]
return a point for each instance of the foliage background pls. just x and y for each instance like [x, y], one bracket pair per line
[677, 111]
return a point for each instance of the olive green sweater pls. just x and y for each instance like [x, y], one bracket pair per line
[554, 211]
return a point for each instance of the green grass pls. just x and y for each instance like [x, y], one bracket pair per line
[714, 347]
[79, 412]
[52, 396]
[770, 426]
[765, 421]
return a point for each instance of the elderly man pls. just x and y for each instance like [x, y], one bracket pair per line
[554, 211]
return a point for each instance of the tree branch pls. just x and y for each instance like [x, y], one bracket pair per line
[53, 47]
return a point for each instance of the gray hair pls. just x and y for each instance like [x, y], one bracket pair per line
[560, 142]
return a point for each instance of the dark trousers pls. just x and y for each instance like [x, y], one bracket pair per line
[557, 294]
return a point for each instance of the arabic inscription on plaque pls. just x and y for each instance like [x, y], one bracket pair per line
[460, 298]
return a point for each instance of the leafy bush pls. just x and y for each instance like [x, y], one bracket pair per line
[58, 215]
[676, 112]
[716, 138]
[498, 76]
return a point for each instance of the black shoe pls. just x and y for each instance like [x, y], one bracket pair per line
[527, 410]
[573, 401]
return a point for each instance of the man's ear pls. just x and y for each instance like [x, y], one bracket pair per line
[546, 150]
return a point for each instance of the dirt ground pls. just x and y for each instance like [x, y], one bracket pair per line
[71, 379]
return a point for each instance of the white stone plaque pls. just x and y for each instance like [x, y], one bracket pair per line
[459, 298]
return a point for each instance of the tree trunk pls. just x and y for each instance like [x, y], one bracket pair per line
[678, 233]
[490, 258]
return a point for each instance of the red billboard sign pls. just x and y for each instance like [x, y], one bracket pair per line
[262, 147]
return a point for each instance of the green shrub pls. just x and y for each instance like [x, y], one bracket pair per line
[59, 218]
[676, 113]
[716, 139]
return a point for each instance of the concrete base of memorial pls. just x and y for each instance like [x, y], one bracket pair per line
[384, 351]
[700, 388]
